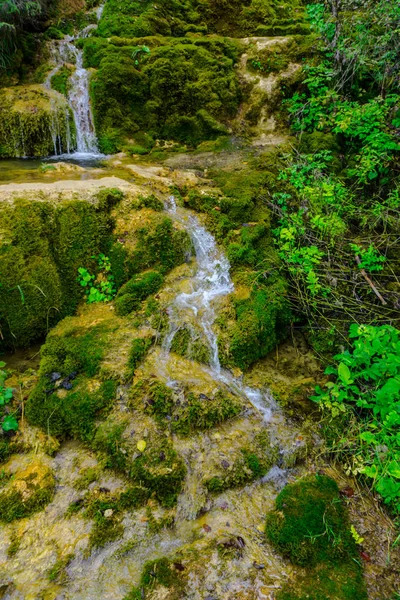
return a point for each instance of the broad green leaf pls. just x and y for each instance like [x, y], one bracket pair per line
[10, 423]
[345, 374]
[393, 469]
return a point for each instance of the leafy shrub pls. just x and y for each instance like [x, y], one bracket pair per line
[367, 381]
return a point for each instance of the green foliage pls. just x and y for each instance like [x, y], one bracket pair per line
[37, 492]
[370, 260]
[100, 288]
[367, 381]
[8, 421]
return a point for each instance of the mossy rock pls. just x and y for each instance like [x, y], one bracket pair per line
[34, 122]
[252, 463]
[28, 491]
[310, 526]
[310, 523]
[42, 248]
[193, 412]
[162, 573]
[136, 290]
[65, 402]
[157, 470]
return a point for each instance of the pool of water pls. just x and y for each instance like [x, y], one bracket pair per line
[22, 170]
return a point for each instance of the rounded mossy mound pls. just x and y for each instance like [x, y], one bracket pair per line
[310, 526]
[27, 490]
[34, 121]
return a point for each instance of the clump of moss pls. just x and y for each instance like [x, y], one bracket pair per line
[188, 343]
[160, 572]
[310, 523]
[57, 571]
[60, 80]
[43, 247]
[187, 415]
[137, 289]
[63, 403]
[137, 353]
[87, 476]
[29, 491]
[157, 471]
[310, 526]
[26, 132]
[251, 464]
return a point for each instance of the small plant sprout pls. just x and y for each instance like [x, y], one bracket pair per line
[100, 288]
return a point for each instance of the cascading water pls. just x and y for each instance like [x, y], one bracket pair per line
[65, 52]
[211, 281]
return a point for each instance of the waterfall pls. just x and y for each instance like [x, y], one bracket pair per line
[65, 52]
[211, 281]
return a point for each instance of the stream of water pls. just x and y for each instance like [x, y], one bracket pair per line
[211, 281]
[64, 52]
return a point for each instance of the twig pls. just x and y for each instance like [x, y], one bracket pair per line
[367, 279]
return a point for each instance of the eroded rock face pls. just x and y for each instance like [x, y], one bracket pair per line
[34, 121]
[29, 488]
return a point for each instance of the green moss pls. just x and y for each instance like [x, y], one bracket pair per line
[57, 571]
[160, 245]
[70, 409]
[188, 343]
[19, 500]
[105, 530]
[310, 526]
[327, 582]
[60, 81]
[157, 471]
[136, 290]
[310, 523]
[251, 464]
[160, 572]
[184, 416]
[261, 322]
[27, 117]
[88, 476]
[43, 247]
[137, 353]
[185, 90]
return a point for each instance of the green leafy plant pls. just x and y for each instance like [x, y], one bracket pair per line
[366, 382]
[100, 288]
[370, 259]
[9, 422]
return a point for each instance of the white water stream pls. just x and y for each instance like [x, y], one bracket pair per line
[211, 281]
[64, 52]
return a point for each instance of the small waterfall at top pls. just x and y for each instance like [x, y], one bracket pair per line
[64, 52]
[212, 280]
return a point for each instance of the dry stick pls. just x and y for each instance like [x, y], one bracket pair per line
[367, 279]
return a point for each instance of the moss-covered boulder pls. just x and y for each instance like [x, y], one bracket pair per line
[42, 247]
[34, 121]
[310, 526]
[28, 489]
